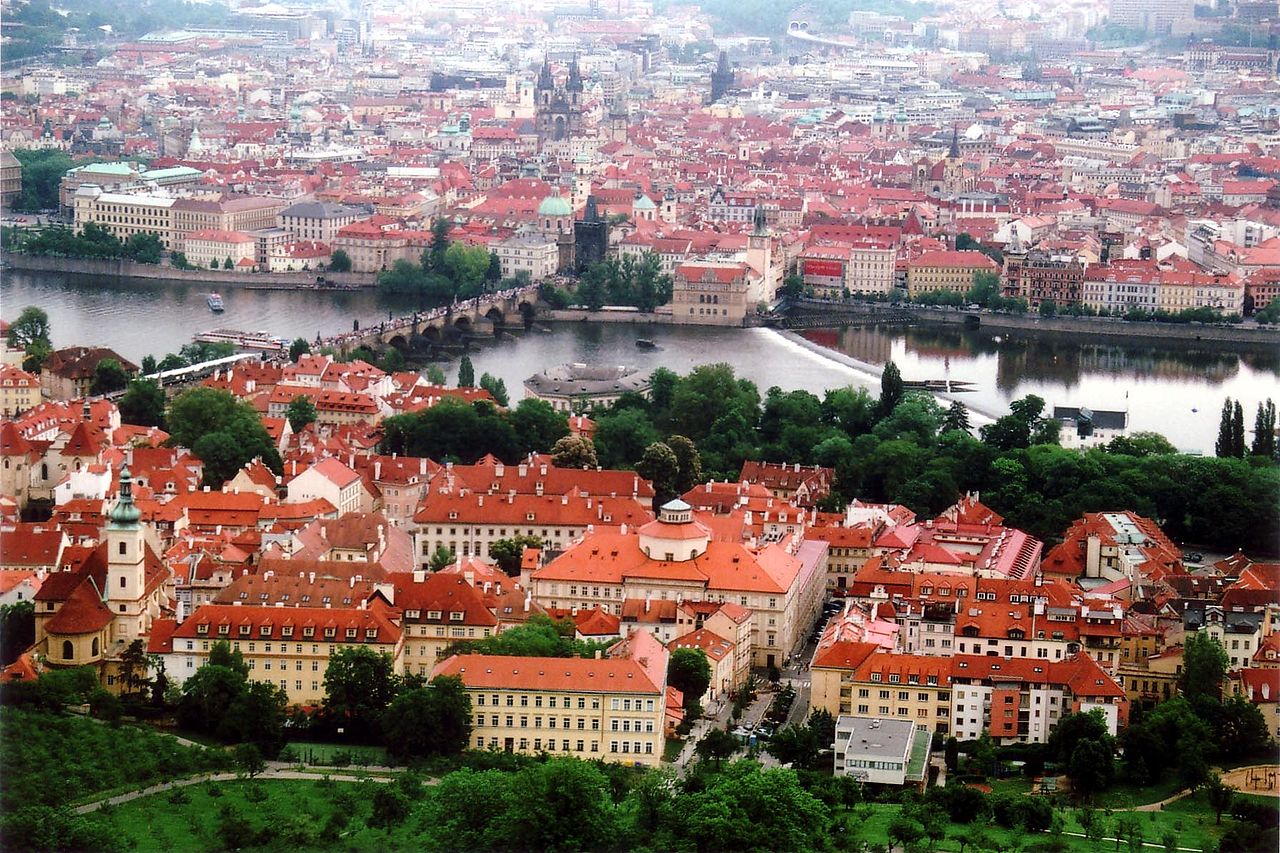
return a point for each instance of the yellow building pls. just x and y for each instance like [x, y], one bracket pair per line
[19, 390]
[861, 680]
[438, 609]
[611, 708]
[946, 270]
[286, 646]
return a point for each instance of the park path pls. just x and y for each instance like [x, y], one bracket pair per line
[275, 770]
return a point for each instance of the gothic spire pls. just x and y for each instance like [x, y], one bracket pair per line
[954, 153]
[124, 515]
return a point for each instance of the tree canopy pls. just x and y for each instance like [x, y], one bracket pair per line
[223, 431]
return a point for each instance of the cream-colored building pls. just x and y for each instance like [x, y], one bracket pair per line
[946, 270]
[537, 256]
[286, 646]
[610, 708]
[438, 609]
[210, 246]
[19, 390]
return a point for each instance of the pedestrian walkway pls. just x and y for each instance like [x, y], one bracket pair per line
[275, 770]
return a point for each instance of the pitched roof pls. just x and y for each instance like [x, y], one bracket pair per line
[579, 675]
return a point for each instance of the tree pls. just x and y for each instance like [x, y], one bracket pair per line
[249, 759]
[17, 630]
[435, 375]
[359, 684]
[508, 553]
[431, 720]
[537, 425]
[1204, 665]
[574, 451]
[340, 261]
[716, 745]
[622, 436]
[1264, 430]
[1071, 730]
[441, 559]
[688, 463]
[795, 745]
[466, 373]
[1048, 308]
[390, 807]
[792, 286]
[223, 431]
[31, 328]
[951, 754]
[300, 413]
[891, 389]
[1091, 767]
[659, 464]
[689, 671]
[108, 376]
[298, 349]
[495, 387]
[562, 804]
[133, 667]
[105, 705]
[1237, 430]
[747, 808]
[1219, 795]
[143, 403]
[905, 831]
[957, 418]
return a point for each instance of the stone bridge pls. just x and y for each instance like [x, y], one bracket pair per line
[447, 325]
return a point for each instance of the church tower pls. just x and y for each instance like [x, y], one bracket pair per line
[760, 253]
[722, 79]
[126, 562]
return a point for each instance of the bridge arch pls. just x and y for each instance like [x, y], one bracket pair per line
[399, 342]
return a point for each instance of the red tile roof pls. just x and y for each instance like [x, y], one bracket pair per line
[579, 675]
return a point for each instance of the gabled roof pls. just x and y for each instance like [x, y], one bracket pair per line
[580, 675]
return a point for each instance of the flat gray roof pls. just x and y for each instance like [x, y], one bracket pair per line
[878, 737]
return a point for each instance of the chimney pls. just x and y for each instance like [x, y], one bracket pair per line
[524, 469]
[377, 470]
[598, 654]
[419, 576]
[422, 465]
[311, 577]
[623, 529]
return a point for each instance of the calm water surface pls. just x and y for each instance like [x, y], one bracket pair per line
[1174, 389]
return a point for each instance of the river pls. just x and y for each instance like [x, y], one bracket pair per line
[1175, 389]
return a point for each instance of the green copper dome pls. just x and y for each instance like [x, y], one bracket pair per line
[124, 514]
[554, 205]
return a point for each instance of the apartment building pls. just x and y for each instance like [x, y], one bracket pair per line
[286, 646]
[946, 270]
[316, 220]
[885, 685]
[538, 257]
[171, 219]
[610, 708]
[1021, 700]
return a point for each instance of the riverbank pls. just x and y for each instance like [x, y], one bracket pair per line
[132, 271]
[1105, 327]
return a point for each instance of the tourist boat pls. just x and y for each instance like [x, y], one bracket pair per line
[645, 343]
[244, 340]
[215, 302]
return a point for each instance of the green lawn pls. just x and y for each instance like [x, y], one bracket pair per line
[671, 751]
[322, 753]
[294, 812]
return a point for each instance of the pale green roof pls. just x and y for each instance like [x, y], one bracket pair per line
[554, 205]
[171, 172]
[122, 169]
[644, 203]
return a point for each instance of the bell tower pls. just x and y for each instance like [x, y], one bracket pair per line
[126, 561]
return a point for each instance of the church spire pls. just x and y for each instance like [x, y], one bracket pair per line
[124, 515]
[575, 77]
[954, 153]
[761, 224]
[545, 80]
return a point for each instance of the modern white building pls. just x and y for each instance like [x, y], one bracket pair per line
[882, 751]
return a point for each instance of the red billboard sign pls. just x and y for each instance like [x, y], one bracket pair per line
[824, 269]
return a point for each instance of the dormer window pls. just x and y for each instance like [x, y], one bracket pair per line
[875, 676]
[244, 630]
[894, 679]
[286, 631]
[528, 516]
[308, 631]
[265, 630]
[456, 615]
[412, 614]
[224, 630]
[433, 614]
[371, 633]
[453, 516]
[351, 633]
[202, 629]
[330, 633]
